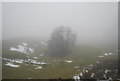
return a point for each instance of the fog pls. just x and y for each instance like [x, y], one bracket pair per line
[94, 23]
[0, 40]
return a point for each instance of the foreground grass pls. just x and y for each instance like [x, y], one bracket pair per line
[81, 56]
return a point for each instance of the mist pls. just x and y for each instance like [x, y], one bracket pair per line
[60, 40]
[94, 23]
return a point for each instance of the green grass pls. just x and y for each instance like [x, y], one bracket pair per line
[81, 56]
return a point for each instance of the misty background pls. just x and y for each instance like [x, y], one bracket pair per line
[0, 40]
[94, 23]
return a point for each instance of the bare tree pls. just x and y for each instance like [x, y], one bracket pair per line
[61, 42]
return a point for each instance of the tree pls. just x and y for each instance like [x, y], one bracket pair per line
[61, 42]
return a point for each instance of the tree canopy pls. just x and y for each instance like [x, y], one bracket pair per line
[61, 42]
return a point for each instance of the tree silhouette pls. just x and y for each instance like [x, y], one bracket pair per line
[61, 42]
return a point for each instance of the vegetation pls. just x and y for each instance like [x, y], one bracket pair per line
[81, 57]
[61, 42]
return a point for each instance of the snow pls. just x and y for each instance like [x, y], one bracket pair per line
[23, 49]
[97, 62]
[68, 61]
[86, 71]
[76, 67]
[25, 44]
[35, 57]
[100, 56]
[13, 49]
[81, 74]
[110, 53]
[105, 76]
[39, 67]
[92, 75]
[28, 56]
[15, 60]
[20, 48]
[18, 61]
[106, 54]
[110, 78]
[42, 54]
[35, 62]
[43, 63]
[12, 65]
[43, 43]
[76, 78]
[4, 59]
[91, 65]
[106, 71]
[31, 50]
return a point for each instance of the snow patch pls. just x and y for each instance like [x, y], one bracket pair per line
[91, 65]
[100, 56]
[76, 78]
[44, 43]
[76, 67]
[106, 54]
[23, 49]
[110, 53]
[31, 50]
[13, 49]
[42, 54]
[19, 61]
[25, 44]
[12, 65]
[81, 74]
[97, 62]
[35, 57]
[39, 67]
[86, 71]
[68, 61]
[92, 75]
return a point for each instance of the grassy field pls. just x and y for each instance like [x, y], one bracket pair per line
[56, 67]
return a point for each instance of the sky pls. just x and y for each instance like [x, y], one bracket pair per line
[0, 40]
[0, 20]
[93, 22]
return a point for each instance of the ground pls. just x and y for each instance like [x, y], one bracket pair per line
[84, 61]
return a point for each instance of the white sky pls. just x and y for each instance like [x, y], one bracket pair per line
[60, 0]
[91, 21]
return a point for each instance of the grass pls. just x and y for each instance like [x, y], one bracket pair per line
[81, 56]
